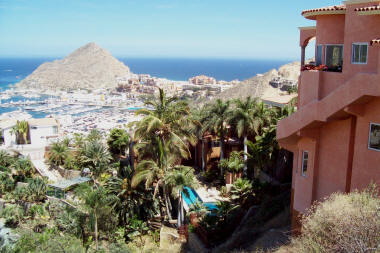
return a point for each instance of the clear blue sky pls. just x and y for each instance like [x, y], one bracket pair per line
[155, 28]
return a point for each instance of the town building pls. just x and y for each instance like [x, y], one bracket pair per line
[335, 134]
[202, 80]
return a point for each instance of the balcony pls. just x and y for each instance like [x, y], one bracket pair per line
[315, 85]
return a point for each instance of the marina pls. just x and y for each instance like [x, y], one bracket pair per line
[77, 112]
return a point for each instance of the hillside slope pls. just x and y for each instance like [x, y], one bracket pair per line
[90, 66]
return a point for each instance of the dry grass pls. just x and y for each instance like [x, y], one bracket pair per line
[341, 223]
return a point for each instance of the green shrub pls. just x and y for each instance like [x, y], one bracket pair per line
[13, 215]
[47, 242]
[241, 191]
[341, 223]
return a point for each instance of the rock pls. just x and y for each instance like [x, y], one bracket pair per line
[87, 67]
[258, 86]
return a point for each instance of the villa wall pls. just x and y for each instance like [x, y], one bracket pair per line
[304, 184]
[333, 158]
[366, 164]
[360, 28]
[330, 29]
[38, 135]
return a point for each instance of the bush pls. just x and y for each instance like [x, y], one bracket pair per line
[341, 223]
[241, 191]
[48, 241]
[13, 215]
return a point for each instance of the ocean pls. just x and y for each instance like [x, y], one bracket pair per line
[13, 70]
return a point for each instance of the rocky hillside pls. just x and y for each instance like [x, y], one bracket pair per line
[258, 86]
[87, 67]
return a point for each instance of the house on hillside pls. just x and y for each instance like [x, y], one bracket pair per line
[41, 132]
[335, 134]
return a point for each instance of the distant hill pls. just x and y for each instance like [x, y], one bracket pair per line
[258, 86]
[90, 66]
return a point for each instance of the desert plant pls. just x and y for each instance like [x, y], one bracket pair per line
[341, 223]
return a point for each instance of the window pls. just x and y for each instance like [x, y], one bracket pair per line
[359, 53]
[55, 130]
[334, 57]
[319, 55]
[374, 137]
[305, 157]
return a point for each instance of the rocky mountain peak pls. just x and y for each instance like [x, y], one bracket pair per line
[89, 66]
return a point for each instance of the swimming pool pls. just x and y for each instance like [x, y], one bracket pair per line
[192, 198]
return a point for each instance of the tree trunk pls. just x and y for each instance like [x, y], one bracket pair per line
[166, 197]
[182, 211]
[203, 156]
[96, 231]
[179, 218]
[196, 156]
[245, 155]
[221, 154]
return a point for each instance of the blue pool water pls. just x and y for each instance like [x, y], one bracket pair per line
[192, 198]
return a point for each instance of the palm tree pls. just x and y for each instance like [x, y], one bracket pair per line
[197, 117]
[21, 130]
[154, 172]
[234, 163]
[118, 141]
[96, 202]
[245, 120]
[178, 179]
[94, 135]
[22, 168]
[216, 122]
[96, 156]
[169, 121]
[58, 154]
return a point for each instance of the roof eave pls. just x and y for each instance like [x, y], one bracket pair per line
[313, 15]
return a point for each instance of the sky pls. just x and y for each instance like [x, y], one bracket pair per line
[238, 29]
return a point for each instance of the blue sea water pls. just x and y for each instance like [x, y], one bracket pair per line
[13, 70]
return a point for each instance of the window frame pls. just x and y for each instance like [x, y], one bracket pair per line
[316, 53]
[326, 45]
[369, 136]
[303, 172]
[352, 53]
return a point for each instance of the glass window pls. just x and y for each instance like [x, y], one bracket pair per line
[374, 137]
[359, 53]
[55, 130]
[319, 55]
[305, 158]
[334, 57]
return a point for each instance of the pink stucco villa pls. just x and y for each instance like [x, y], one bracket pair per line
[335, 134]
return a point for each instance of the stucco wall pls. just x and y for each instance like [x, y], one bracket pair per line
[333, 158]
[360, 29]
[304, 184]
[38, 135]
[366, 165]
[330, 29]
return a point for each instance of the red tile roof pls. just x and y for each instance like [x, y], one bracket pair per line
[328, 8]
[375, 41]
[369, 8]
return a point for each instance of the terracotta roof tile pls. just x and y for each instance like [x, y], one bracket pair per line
[328, 8]
[369, 8]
